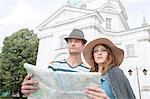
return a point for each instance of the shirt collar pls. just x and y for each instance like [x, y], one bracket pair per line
[104, 77]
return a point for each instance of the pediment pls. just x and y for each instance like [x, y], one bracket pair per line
[64, 14]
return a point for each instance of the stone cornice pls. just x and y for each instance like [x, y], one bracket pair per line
[72, 20]
[60, 10]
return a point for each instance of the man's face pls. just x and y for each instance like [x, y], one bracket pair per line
[75, 46]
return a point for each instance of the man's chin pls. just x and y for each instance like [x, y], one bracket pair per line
[74, 53]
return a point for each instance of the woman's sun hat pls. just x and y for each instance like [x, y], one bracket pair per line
[117, 52]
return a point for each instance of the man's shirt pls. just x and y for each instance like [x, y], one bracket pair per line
[65, 67]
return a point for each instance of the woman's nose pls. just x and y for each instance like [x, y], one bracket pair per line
[99, 52]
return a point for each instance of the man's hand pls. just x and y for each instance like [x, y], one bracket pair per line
[95, 92]
[28, 85]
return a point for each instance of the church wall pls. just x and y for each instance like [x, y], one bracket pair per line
[116, 22]
[49, 46]
[138, 62]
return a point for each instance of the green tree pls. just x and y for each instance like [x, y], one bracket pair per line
[0, 77]
[20, 48]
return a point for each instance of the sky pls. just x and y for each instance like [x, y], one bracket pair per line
[18, 14]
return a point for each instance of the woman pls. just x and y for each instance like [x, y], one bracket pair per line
[104, 57]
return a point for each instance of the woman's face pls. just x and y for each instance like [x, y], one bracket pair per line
[100, 54]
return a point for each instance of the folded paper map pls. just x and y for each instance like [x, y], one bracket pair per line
[61, 85]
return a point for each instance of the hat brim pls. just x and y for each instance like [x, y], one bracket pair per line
[75, 38]
[117, 52]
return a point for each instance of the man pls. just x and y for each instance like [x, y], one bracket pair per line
[73, 63]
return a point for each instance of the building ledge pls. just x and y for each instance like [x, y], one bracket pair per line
[146, 88]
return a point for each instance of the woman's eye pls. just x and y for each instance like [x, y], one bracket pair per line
[95, 51]
[103, 50]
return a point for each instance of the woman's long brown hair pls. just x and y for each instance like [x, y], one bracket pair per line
[110, 62]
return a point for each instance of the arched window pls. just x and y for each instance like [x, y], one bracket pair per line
[130, 50]
[60, 56]
[108, 23]
[62, 42]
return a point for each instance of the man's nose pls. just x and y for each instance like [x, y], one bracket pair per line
[72, 43]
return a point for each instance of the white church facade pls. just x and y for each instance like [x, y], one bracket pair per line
[99, 18]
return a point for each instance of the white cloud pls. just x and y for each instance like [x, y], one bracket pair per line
[134, 0]
[21, 14]
[17, 15]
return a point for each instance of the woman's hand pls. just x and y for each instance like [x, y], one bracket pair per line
[95, 92]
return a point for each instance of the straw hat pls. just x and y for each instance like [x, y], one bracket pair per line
[77, 34]
[117, 52]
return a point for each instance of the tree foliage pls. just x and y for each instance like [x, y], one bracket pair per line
[20, 48]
